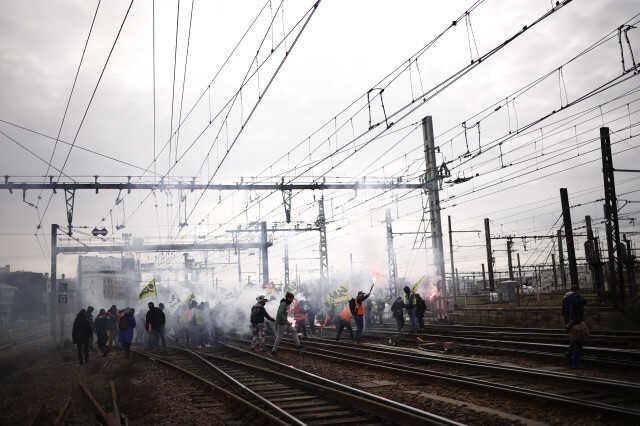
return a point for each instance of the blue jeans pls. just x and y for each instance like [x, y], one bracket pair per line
[413, 318]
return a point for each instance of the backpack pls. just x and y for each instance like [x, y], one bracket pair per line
[352, 306]
[123, 323]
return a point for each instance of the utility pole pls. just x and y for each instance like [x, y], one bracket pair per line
[487, 233]
[324, 257]
[431, 178]
[611, 214]
[265, 252]
[239, 265]
[563, 275]
[593, 259]
[555, 275]
[391, 256]
[568, 232]
[484, 279]
[509, 261]
[286, 266]
[631, 270]
[519, 269]
[54, 302]
[454, 280]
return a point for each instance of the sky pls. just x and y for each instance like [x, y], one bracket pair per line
[344, 51]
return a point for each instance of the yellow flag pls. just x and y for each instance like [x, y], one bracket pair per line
[149, 290]
[417, 284]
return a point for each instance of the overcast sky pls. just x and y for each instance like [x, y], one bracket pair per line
[346, 48]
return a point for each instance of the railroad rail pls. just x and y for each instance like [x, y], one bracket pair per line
[288, 395]
[595, 354]
[613, 397]
[610, 339]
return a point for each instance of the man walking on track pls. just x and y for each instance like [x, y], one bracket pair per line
[282, 323]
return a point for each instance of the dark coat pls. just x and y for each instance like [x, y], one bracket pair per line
[421, 307]
[81, 329]
[396, 308]
[101, 325]
[155, 319]
[259, 313]
[573, 309]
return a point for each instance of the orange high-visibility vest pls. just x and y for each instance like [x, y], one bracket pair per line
[346, 314]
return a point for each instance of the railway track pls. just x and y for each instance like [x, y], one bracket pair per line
[268, 392]
[610, 397]
[607, 338]
[594, 354]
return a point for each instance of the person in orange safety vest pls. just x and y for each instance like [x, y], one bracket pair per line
[359, 312]
[344, 321]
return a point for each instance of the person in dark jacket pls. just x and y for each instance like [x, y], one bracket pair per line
[101, 331]
[410, 306]
[161, 332]
[398, 314]
[311, 319]
[90, 318]
[258, 315]
[154, 324]
[421, 307]
[126, 325]
[282, 323]
[573, 312]
[80, 334]
[380, 311]
[112, 326]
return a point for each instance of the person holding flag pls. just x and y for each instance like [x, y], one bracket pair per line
[359, 312]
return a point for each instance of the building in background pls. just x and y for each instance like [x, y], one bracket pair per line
[106, 281]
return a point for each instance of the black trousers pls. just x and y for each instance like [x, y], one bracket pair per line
[83, 352]
[399, 322]
[341, 326]
[102, 342]
[359, 326]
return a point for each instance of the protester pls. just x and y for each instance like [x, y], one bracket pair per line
[101, 324]
[258, 315]
[311, 319]
[359, 312]
[368, 314]
[126, 325]
[162, 330]
[112, 326]
[410, 306]
[90, 318]
[380, 311]
[398, 314]
[573, 312]
[282, 323]
[154, 323]
[344, 321]
[300, 317]
[80, 334]
[421, 307]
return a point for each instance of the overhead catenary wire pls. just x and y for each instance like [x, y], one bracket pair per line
[87, 108]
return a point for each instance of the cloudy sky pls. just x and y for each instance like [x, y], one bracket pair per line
[345, 50]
